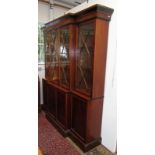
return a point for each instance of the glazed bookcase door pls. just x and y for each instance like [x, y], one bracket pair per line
[47, 54]
[84, 58]
[64, 57]
[52, 63]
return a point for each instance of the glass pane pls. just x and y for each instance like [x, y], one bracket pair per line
[52, 66]
[41, 54]
[64, 56]
[47, 53]
[84, 58]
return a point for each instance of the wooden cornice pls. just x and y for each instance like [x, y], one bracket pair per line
[95, 11]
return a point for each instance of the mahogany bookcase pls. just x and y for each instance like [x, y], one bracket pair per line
[75, 63]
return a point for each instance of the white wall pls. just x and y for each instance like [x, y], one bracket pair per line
[46, 14]
[43, 12]
[57, 11]
[109, 119]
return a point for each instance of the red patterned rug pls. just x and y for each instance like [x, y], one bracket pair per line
[51, 142]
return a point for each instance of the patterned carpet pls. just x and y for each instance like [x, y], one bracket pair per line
[51, 142]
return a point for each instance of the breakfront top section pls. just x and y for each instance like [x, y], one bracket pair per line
[75, 50]
[95, 11]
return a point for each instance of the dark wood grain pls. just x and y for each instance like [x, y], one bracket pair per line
[100, 53]
[52, 102]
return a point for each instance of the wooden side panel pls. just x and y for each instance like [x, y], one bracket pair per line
[100, 53]
[94, 119]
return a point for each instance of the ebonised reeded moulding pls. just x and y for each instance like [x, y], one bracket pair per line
[75, 63]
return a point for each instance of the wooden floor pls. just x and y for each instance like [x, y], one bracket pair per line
[39, 152]
[99, 150]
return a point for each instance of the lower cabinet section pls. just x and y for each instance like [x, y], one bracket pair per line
[57, 105]
[86, 118]
[74, 116]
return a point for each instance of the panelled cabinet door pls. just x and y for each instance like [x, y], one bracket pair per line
[84, 58]
[64, 57]
[45, 94]
[61, 108]
[79, 109]
[52, 100]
